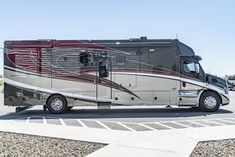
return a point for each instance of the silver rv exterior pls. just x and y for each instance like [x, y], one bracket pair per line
[60, 74]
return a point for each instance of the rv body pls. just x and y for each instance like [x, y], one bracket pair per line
[60, 74]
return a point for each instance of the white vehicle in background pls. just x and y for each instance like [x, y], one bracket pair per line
[231, 82]
[60, 74]
[1, 84]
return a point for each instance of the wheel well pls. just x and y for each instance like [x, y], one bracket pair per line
[213, 92]
[54, 95]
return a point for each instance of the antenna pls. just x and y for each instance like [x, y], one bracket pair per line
[176, 35]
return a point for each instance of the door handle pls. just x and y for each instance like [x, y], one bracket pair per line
[184, 84]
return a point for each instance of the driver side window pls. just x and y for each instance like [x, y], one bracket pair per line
[192, 68]
[189, 67]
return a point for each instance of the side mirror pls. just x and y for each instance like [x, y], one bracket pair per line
[103, 71]
[197, 68]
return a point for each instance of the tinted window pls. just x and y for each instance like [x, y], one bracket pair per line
[163, 59]
[120, 59]
[189, 67]
[185, 50]
[193, 69]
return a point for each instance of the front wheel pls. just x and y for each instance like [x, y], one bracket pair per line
[209, 102]
[57, 104]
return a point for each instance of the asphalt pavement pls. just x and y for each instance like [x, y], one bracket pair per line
[136, 118]
[139, 131]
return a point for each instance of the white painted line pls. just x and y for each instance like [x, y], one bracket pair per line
[150, 122]
[62, 122]
[211, 121]
[147, 127]
[109, 121]
[197, 123]
[226, 121]
[44, 120]
[184, 125]
[232, 120]
[166, 126]
[79, 121]
[228, 118]
[207, 119]
[27, 120]
[126, 126]
[100, 123]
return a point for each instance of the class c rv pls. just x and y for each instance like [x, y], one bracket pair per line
[60, 74]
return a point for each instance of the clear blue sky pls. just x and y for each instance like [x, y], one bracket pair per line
[208, 26]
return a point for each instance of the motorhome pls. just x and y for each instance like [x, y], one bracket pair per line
[60, 74]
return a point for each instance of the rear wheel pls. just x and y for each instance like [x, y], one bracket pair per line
[57, 104]
[209, 102]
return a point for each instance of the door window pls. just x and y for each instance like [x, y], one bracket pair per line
[192, 68]
[120, 60]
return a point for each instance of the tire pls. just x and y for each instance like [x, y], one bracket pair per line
[57, 104]
[209, 102]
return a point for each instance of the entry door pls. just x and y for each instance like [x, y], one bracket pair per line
[104, 79]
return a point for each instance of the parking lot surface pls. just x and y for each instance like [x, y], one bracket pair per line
[127, 119]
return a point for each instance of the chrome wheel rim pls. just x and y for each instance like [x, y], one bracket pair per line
[57, 104]
[210, 102]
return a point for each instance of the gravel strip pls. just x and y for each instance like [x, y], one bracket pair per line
[20, 145]
[221, 148]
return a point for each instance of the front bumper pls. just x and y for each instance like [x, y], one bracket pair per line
[225, 99]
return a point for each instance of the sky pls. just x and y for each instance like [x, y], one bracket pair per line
[208, 26]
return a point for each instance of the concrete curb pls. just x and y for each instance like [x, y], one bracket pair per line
[169, 143]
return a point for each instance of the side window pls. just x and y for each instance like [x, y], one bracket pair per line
[163, 59]
[121, 59]
[193, 69]
[87, 59]
[189, 67]
[65, 59]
